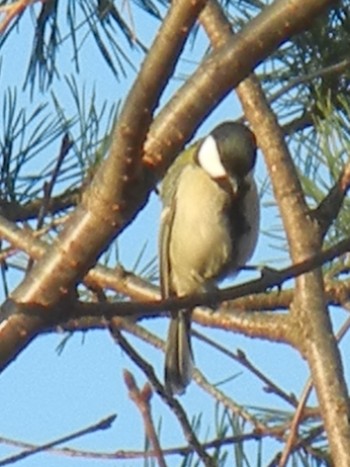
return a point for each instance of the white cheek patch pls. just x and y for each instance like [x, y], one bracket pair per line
[209, 158]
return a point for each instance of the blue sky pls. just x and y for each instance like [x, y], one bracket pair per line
[45, 395]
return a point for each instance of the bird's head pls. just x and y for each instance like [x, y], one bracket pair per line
[229, 151]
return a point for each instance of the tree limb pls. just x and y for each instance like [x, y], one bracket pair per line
[310, 319]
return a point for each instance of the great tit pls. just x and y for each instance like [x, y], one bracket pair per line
[209, 229]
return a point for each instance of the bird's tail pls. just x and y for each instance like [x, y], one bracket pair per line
[178, 354]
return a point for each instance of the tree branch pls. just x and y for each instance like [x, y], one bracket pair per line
[142, 402]
[310, 319]
[102, 213]
[101, 425]
[224, 69]
[170, 401]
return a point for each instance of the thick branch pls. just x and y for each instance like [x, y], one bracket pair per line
[310, 318]
[101, 214]
[126, 283]
[223, 70]
[268, 326]
[112, 201]
[309, 305]
[117, 279]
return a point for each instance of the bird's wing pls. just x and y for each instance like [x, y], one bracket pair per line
[168, 196]
[164, 246]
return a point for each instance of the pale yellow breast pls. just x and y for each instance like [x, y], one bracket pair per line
[200, 242]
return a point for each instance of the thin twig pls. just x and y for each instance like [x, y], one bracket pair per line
[103, 424]
[66, 144]
[142, 401]
[241, 358]
[127, 283]
[336, 68]
[271, 278]
[198, 377]
[228, 402]
[170, 401]
[129, 454]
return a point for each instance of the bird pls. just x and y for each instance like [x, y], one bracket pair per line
[208, 230]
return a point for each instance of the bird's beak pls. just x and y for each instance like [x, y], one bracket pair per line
[229, 184]
[233, 182]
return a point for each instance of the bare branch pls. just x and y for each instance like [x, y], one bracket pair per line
[224, 69]
[242, 359]
[101, 214]
[14, 211]
[128, 284]
[101, 425]
[128, 454]
[117, 279]
[292, 438]
[314, 338]
[170, 401]
[142, 401]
